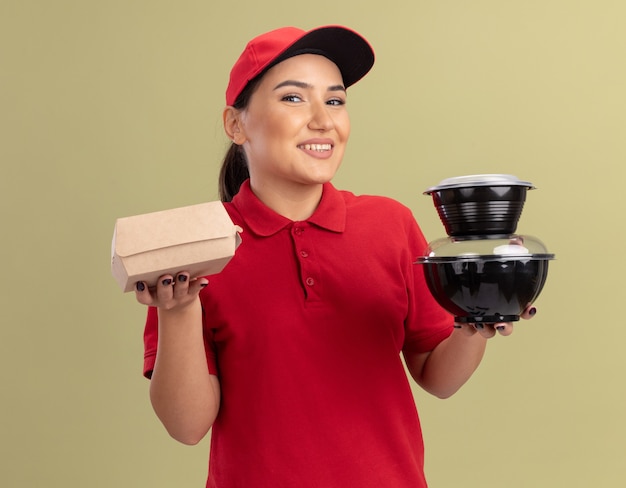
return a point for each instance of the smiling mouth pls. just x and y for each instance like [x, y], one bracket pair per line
[316, 147]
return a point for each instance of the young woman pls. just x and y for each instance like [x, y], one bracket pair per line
[293, 353]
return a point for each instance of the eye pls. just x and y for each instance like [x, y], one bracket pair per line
[291, 98]
[336, 102]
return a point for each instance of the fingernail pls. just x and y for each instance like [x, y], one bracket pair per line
[457, 326]
[140, 286]
[500, 327]
[203, 285]
[167, 282]
[182, 278]
[479, 326]
[532, 311]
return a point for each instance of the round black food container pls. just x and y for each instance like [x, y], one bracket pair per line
[486, 281]
[486, 291]
[480, 205]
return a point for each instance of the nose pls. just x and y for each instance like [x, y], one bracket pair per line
[321, 119]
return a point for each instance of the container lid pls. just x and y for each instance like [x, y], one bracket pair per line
[479, 180]
[167, 228]
[512, 247]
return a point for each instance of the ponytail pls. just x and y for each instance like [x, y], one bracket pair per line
[233, 173]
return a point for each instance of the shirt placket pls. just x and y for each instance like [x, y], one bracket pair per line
[310, 278]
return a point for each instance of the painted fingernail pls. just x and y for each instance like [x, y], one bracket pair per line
[479, 326]
[140, 286]
[457, 326]
[166, 282]
[182, 278]
[532, 311]
[500, 327]
[203, 285]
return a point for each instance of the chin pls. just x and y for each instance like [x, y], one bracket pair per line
[321, 179]
[323, 176]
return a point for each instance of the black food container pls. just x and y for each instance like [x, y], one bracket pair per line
[483, 272]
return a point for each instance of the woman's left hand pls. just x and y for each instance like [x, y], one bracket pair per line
[489, 330]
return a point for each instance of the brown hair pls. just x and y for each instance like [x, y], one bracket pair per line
[234, 169]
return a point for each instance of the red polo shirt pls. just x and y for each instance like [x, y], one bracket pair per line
[304, 328]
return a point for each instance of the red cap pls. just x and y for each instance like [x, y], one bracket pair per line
[348, 50]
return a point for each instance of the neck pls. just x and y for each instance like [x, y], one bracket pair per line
[295, 203]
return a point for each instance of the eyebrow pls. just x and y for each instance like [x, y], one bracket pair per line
[304, 86]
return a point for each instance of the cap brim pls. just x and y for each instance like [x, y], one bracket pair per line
[352, 54]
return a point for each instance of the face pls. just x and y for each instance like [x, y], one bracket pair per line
[296, 126]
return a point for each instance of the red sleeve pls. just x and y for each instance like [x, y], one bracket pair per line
[427, 323]
[150, 341]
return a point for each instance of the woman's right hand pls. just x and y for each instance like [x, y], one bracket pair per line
[171, 292]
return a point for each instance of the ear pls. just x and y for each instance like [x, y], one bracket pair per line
[233, 125]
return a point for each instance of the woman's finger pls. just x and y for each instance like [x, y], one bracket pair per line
[142, 293]
[165, 289]
[198, 284]
[485, 330]
[181, 285]
[529, 312]
[465, 328]
[504, 328]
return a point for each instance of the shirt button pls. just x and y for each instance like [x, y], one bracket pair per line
[298, 230]
[304, 254]
[310, 281]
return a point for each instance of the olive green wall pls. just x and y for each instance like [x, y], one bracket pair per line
[112, 108]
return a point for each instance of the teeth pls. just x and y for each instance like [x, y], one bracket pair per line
[316, 147]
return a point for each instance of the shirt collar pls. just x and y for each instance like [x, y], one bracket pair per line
[262, 220]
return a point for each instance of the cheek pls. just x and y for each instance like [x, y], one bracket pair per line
[265, 142]
[343, 127]
[258, 134]
[273, 129]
